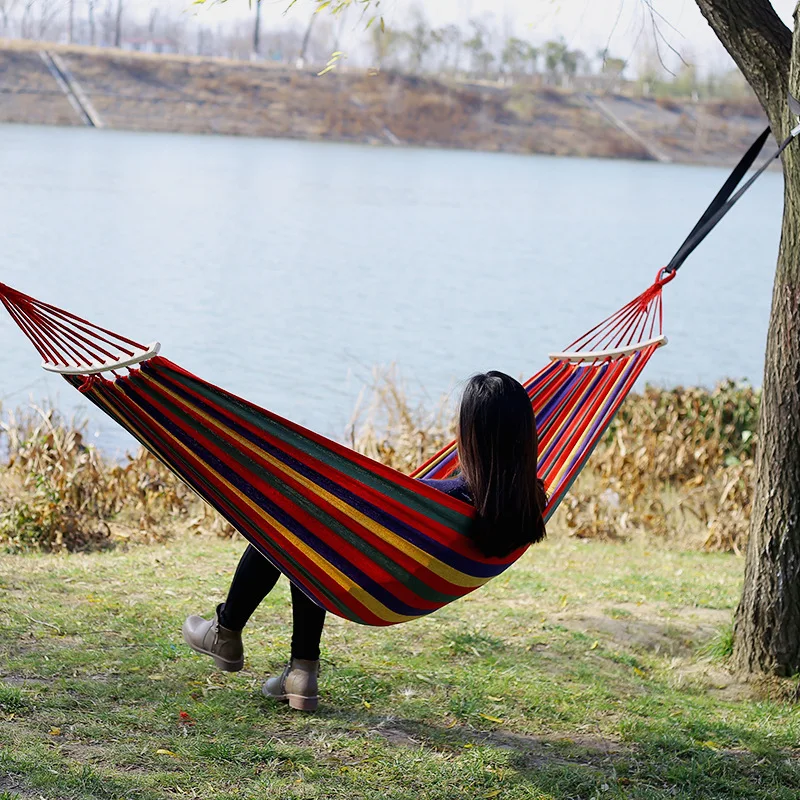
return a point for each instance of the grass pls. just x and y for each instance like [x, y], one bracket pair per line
[590, 671]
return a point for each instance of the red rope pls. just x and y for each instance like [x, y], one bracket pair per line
[61, 337]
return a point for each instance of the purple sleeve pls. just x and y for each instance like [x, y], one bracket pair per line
[455, 487]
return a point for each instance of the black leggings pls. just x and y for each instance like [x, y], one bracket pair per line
[253, 581]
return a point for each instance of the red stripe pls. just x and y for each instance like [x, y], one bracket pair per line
[386, 473]
[244, 524]
[348, 551]
[430, 578]
[627, 386]
[562, 415]
[590, 405]
[445, 535]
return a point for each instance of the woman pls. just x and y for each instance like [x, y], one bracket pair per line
[498, 449]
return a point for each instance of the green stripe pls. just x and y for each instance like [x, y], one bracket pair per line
[400, 574]
[429, 507]
[211, 494]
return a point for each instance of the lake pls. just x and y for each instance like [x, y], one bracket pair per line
[285, 270]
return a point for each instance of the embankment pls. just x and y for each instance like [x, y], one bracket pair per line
[135, 91]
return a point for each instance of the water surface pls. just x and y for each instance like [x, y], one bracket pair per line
[285, 270]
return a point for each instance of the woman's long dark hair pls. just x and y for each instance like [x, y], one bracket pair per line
[498, 449]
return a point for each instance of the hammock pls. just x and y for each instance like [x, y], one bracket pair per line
[363, 541]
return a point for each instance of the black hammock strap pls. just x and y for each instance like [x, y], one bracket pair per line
[725, 199]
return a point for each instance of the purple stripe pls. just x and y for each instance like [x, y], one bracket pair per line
[557, 444]
[600, 419]
[464, 564]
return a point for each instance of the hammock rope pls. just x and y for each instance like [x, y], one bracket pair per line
[362, 540]
[725, 199]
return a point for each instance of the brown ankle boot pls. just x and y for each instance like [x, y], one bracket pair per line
[208, 637]
[297, 686]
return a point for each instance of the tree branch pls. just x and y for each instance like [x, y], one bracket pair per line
[761, 46]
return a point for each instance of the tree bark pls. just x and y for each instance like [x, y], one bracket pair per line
[767, 622]
[761, 46]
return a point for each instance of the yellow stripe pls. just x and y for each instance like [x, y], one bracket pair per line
[578, 444]
[554, 433]
[442, 570]
[345, 583]
[442, 455]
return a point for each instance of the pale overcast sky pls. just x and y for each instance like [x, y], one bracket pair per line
[586, 24]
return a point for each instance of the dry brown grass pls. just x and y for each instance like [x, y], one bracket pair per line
[58, 494]
[675, 465]
[389, 427]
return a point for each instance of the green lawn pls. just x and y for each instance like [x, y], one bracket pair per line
[583, 673]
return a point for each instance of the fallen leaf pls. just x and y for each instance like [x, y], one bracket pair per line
[595, 645]
[55, 731]
[452, 724]
[494, 699]
[162, 752]
[710, 745]
[367, 705]
[156, 677]
[492, 719]
[469, 744]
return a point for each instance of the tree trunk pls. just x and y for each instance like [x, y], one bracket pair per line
[767, 625]
[92, 31]
[257, 29]
[118, 25]
[767, 622]
[301, 59]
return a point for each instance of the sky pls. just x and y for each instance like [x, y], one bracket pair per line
[625, 26]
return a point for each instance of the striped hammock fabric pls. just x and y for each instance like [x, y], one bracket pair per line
[362, 540]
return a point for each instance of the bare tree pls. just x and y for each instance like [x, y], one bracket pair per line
[449, 40]
[301, 57]
[151, 25]
[480, 57]
[92, 25]
[532, 57]
[383, 43]
[420, 40]
[7, 12]
[118, 25]
[257, 29]
[767, 624]
[48, 11]
[26, 24]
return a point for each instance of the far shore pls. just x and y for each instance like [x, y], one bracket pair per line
[47, 84]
